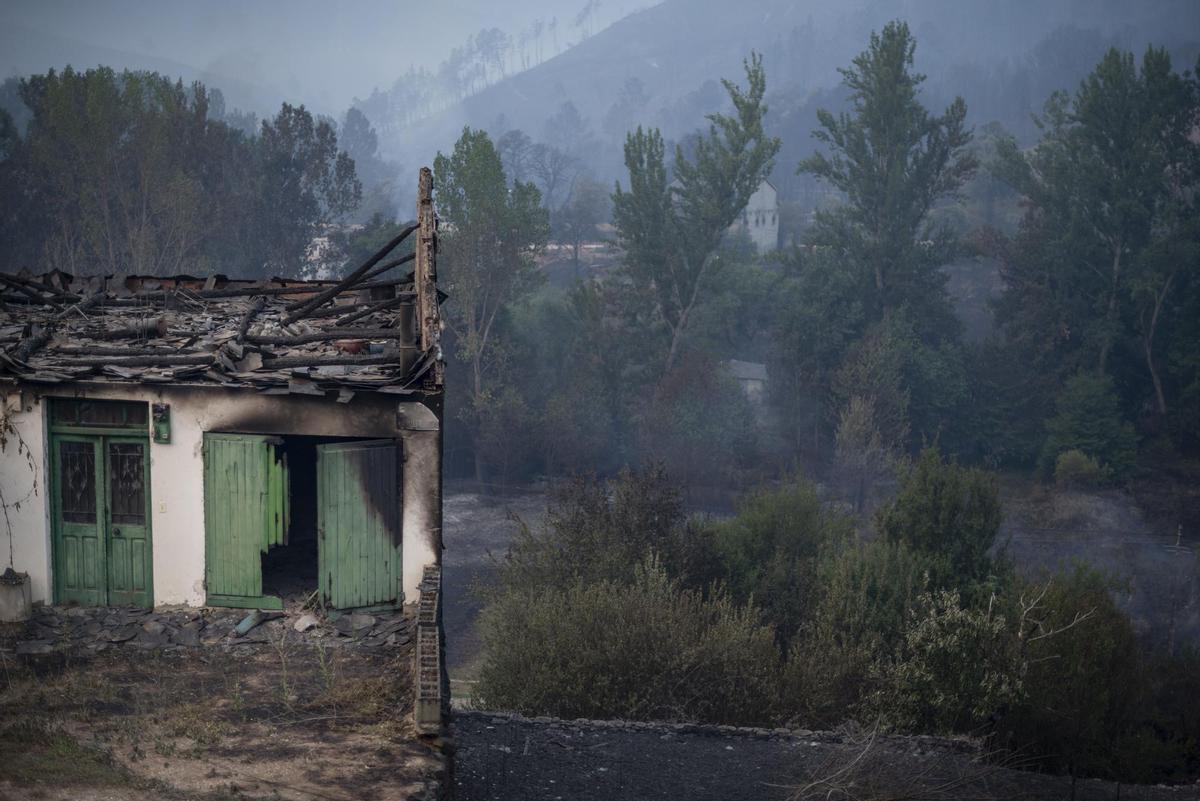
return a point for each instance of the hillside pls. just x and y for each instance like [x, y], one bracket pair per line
[1004, 58]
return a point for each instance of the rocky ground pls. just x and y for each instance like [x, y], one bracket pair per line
[509, 758]
[97, 629]
[181, 704]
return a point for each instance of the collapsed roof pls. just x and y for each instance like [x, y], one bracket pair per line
[366, 332]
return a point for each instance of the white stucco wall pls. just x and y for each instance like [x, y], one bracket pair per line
[176, 473]
[25, 521]
[761, 218]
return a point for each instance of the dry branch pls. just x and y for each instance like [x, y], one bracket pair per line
[327, 335]
[301, 308]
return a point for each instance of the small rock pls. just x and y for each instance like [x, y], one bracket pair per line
[344, 625]
[153, 627]
[305, 623]
[361, 621]
[187, 636]
[123, 634]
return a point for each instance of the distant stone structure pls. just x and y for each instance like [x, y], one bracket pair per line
[751, 376]
[760, 218]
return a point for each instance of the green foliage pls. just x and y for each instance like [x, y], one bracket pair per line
[768, 551]
[594, 530]
[1110, 192]
[894, 161]
[131, 173]
[642, 648]
[1088, 419]
[867, 594]
[699, 410]
[486, 263]
[1083, 687]
[946, 511]
[955, 667]
[671, 233]
[1074, 469]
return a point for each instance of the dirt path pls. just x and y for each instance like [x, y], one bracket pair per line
[475, 525]
[503, 758]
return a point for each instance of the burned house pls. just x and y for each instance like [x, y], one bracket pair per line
[210, 441]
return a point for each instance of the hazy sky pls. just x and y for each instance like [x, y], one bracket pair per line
[316, 51]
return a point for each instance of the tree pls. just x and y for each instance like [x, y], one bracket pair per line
[1102, 256]
[576, 221]
[361, 143]
[623, 113]
[949, 512]
[554, 169]
[515, 149]
[567, 131]
[1088, 419]
[487, 258]
[306, 183]
[894, 161]
[672, 233]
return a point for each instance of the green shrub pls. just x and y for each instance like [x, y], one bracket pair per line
[768, 551]
[867, 594]
[1088, 418]
[596, 530]
[1074, 469]
[1084, 683]
[956, 667]
[949, 512]
[643, 650]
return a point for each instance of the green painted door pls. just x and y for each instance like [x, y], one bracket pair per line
[245, 513]
[101, 520]
[358, 523]
[126, 469]
[78, 520]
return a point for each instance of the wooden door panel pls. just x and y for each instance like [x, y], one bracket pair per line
[358, 523]
[127, 474]
[78, 520]
[244, 514]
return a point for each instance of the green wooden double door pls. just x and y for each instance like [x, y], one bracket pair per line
[247, 509]
[101, 519]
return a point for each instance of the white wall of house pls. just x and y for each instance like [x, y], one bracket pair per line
[177, 477]
[761, 218]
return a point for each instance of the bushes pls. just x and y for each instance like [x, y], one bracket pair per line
[1084, 679]
[1074, 469]
[642, 650]
[1088, 419]
[949, 511]
[918, 629]
[768, 551]
[595, 531]
[866, 594]
[956, 667]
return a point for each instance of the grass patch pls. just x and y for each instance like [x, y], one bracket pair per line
[38, 753]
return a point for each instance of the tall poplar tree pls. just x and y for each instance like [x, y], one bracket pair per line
[671, 230]
[893, 161]
[486, 259]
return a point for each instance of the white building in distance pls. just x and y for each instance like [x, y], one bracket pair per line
[760, 218]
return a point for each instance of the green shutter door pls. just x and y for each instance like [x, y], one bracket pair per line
[245, 502]
[126, 469]
[358, 523]
[78, 520]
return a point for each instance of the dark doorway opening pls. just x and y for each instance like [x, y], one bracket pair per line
[290, 570]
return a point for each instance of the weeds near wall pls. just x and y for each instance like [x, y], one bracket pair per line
[9, 433]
